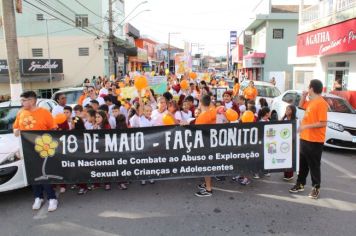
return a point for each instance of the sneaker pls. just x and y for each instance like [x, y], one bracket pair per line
[107, 187]
[235, 178]
[123, 186]
[267, 174]
[62, 189]
[152, 181]
[52, 205]
[314, 194]
[74, 186]
[297, 188]
[256, 176]
[37, 204]
[201, 186]
[245, 181]
[143, 182]
[204, 193]
[288, 178]
[82, 191]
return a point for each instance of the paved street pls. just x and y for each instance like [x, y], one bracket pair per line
[169, 208]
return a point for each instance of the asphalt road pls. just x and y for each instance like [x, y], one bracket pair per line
[169, 208]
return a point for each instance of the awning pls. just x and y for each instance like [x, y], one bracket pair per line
[255, 55]
[33, 78]
[124, 47]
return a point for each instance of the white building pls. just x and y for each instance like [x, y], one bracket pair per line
[326, 44]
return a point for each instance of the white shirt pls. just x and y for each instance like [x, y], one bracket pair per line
[57, 110]
[110, 109]
[157, 117]
[135, 121]
[103, 91]
[88, 125]
[123, 111]
[178, 116]
[242, 109]
[112, 122]
[88, 99]
[186, 116]
[144, 122]
[229, 105]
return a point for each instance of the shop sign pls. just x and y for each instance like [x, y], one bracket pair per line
[4, 68]
[252, 62]
[41, 66]
[333, 39]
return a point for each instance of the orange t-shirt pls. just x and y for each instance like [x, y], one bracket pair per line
[250, 93]
[235, 90]
[315, 111]
[81, 99]
[207, 117]
[39, 119]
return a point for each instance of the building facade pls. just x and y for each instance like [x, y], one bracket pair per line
[77, 40]
[266, 40]
[326, 45]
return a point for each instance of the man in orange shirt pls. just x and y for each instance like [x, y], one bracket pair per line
[250, 92]
[312, 137]
[236, 88]
[31, 117]
[207, 116]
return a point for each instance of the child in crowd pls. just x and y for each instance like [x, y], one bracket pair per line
[121, 124]
[111, 119]
[186, 113]
[95, 104]
[78, 111]
[157, 115]
[101, 122]
[134, 116]
[291, 114]
[174, 111]
[90, 119]
[241, 101]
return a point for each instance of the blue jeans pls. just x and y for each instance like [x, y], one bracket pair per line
[38, 191]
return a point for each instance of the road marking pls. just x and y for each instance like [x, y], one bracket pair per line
[339, 168]
[226, 190]
[322, 202]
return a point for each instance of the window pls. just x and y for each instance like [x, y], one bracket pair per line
[83, 52]
[288, 98]
[37, 52]
[81, 20]
[39, 17]
[278, 33]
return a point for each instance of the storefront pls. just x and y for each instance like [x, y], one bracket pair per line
[253, 64]
[330, 53]
[137, 63]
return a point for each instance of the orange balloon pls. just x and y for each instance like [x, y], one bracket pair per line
[247, 117]
[141, 82]
[168, 120]
[60, 118]
[231, 115]
[184, 84]
[193, 75]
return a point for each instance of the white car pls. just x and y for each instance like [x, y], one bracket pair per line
[72, 95]
[12, 173]
[265, 90]
[341, 129]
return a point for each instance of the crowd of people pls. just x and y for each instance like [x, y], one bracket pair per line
[102, 107]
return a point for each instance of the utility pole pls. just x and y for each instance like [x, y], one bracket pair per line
[13, 62]
[169, 51]
[111, 40]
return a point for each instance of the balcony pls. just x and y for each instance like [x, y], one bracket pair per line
[326, 12]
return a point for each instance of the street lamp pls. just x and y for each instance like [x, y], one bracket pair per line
[169, 48]
[139, 14]
[141, 3]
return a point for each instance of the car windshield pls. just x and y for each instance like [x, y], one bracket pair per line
[7, 118]
[339, 105]
[267, 91]
[73, 96]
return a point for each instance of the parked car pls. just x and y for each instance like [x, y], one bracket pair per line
[341, 128]
[12, 170]
[72, 94]
[265, 90]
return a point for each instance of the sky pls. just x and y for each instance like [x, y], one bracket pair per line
[207, 22]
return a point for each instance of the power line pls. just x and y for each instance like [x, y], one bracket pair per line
[41, 9]
[89, 9]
